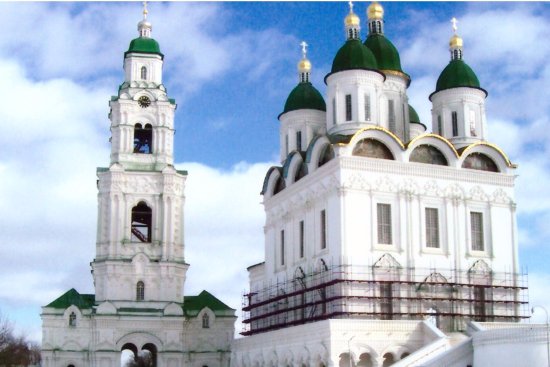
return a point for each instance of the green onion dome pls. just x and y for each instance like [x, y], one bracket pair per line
[304, 97]
[144, 45]
[457, 74]
[353, 55]
[385, 53]
[413, 116]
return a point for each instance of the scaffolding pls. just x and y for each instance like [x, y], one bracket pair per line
[447, 297]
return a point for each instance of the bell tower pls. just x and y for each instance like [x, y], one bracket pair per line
[140, 248]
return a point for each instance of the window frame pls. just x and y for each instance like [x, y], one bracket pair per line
[428, 228]
[140, 291]
[477, 234]
[380, 225]
[454, 123]
[323, 229]
[301, 239]
[349, 112]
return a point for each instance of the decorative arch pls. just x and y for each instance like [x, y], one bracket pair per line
[386, 137]
[480, 267]
[319, 152]
[372, 148]
[480, 162]
[428, 154]
[143, 138]
[294, 168]
[274, 182]
[492, 151]
[387, 261]
[141, 223]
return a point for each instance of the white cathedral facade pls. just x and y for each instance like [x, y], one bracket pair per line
[384, 244]
[139, 269]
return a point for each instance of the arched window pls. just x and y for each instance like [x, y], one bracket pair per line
[428, 154]
[140, 291]
[480, 161]
[141, 223]
[205, 321]
[72, 319]
[143, 137]
[143, 73]
[373, 149]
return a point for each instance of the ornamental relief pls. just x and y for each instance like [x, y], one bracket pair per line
[454, 191]
[431, 188]
[409, 187]
[385, 184]
[357, 181]
[501, 197]
[477, 193]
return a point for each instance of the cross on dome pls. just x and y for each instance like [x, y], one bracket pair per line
[145, 11]
[304, 48]
[350, 6]
[454, 22]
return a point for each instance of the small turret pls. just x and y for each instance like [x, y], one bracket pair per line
[303, 116]
[458, 111]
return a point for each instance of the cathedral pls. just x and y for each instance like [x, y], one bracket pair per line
[386, 243]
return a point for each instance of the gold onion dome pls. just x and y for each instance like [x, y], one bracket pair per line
[352, 19]
[456, 41]
[304, 66]
[375, 11]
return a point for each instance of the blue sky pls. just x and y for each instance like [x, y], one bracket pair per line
[230, 67]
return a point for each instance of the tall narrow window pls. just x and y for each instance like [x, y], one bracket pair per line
[282, 247]
[140, 291]
[476, 226]
[72, 319]
[348, 107]
[439, 126]
[143, 137]
[391, 115]
[454, 119]
[334, 111]
[301, 234]
[323, 229]
[384, 224]
[205, 321]
[473, 123]
[299, 140]
[432, 227]
[141, 223]
[367, 108]
[143, 73]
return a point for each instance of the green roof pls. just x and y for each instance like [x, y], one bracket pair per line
[305, 97]
[353, 55]
[413, 116]
[457, 74]
[144, 45]
[192, 305]
[385, 53]
[72, 297]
